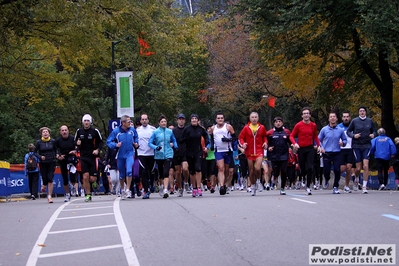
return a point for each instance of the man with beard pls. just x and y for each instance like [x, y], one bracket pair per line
[346, 154]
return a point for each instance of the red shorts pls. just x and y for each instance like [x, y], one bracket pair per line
[253, 157]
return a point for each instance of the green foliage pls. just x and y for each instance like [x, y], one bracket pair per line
[55, 60]
[354, 40]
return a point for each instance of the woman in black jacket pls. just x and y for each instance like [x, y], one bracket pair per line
[45, 150]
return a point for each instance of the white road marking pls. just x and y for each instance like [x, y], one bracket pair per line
[85, 216]
[34, 255]
[120, 224]
[82, 229]
[307, 201]
[77, 251]
[83, 209]
[126, 242]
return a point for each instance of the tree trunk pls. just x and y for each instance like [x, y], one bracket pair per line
[384, 84]
[386, 93]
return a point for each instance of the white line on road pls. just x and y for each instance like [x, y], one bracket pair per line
[34, 255]
[85, 216]
[82, 229]
[63, 253]
[307, 201]
[126, 242]
[83, 209]
[391, 216]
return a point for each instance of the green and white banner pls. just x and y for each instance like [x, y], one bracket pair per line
[124, 93]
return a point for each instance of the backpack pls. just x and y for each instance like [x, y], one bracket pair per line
[31, 164]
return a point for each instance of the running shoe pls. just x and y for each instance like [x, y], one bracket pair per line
[356, 184]
[267, 187]
[308, 191]
[165, 193]
[382, 187]
[88, 198]
[67, 197]
[222, 190]
[180, 193]
[212, 190]
[282, 192]
[146, 195]
[326, 184]
[32, 197]
[50, 200]
[347, 189]
[253, 190]
[94, 185]
[123, 196]
[128, 194]
[335, 190]
[364, 190]
[199, 192]
[194, 193]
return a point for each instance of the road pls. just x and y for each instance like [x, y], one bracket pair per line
[234, 229]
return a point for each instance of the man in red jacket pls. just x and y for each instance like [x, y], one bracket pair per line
[307, 144]
[253, 140]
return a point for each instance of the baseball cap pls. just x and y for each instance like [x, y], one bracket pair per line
[181, 116]
[194, 115]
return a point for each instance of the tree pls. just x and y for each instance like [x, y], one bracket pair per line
[356, 36]
[55, 62]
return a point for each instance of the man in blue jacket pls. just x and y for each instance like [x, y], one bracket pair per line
[383, 149]
[332, 138]
[125, 139]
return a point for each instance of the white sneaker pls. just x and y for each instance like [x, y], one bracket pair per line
[165, 193]
[347, 189]
[67, 197]
[308, 191]
[356, 184]
[82, 193]
[232, 188]
[241, 187]
[128, 194]
[382, 187]
[249, 189]
[123, 196]
[253, 191]
[364, 190]
[73, 191]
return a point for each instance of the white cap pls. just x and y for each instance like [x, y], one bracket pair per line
[87, 117]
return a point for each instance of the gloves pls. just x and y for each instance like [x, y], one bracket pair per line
[159, 148]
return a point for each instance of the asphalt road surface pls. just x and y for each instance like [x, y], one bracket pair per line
[234, 229]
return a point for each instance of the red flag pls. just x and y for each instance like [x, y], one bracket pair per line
[144, 46]
[272, 102]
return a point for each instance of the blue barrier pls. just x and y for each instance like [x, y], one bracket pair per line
[5, 181]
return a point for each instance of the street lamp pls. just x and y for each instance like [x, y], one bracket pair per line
[113, 77]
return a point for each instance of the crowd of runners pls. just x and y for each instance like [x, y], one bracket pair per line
[141, 160]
